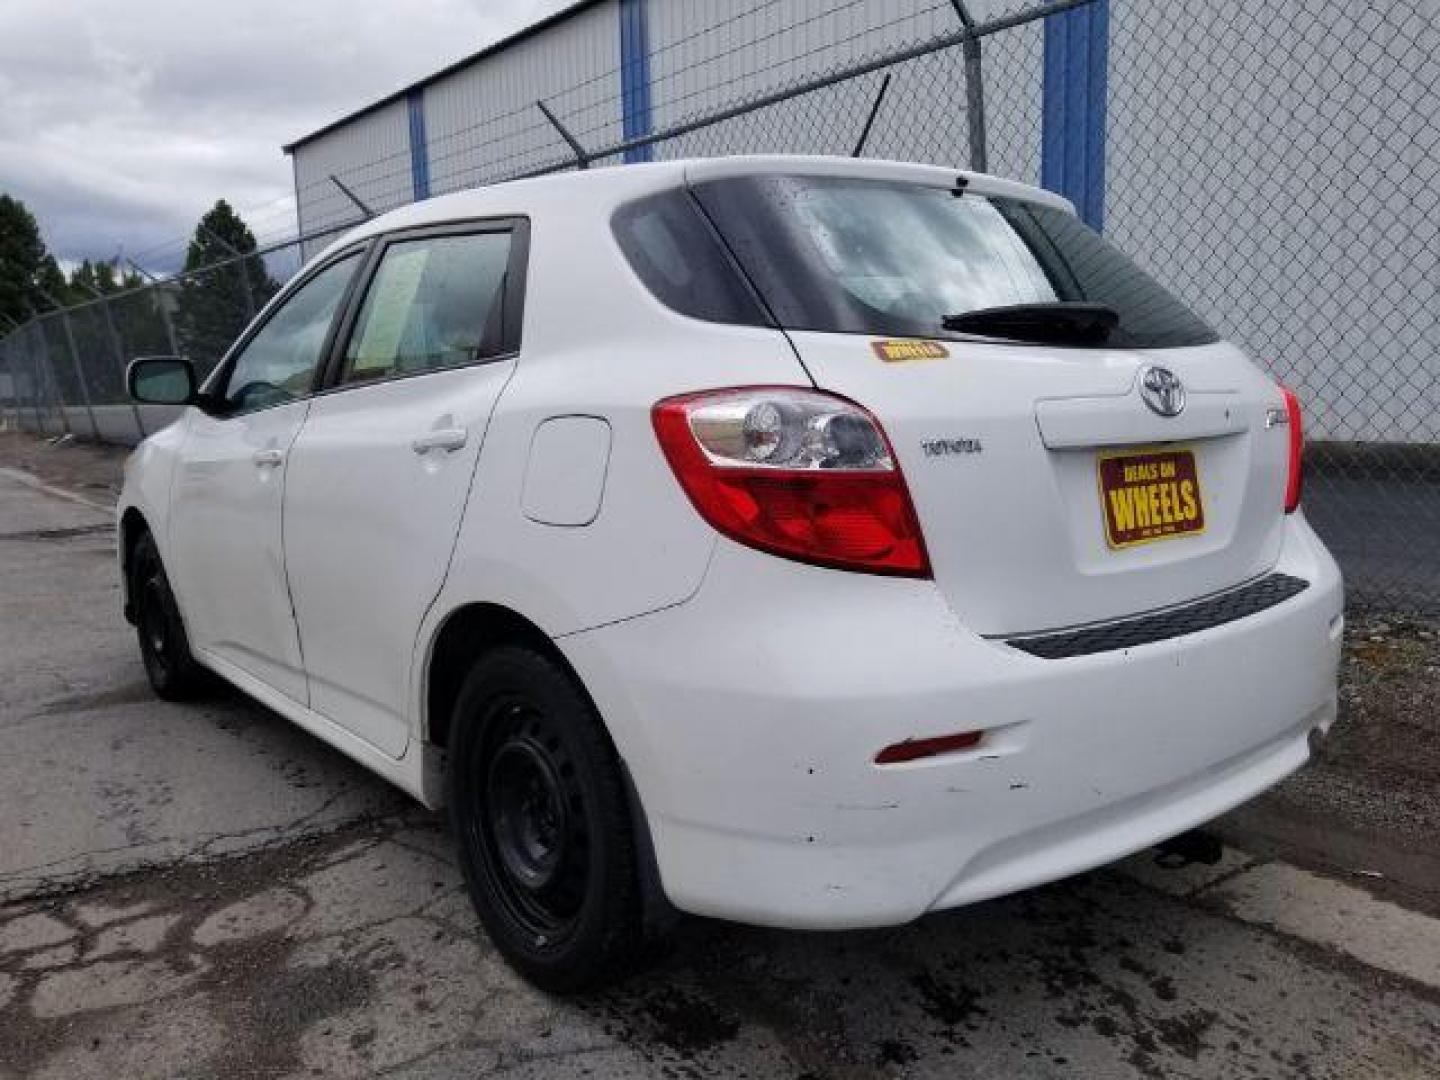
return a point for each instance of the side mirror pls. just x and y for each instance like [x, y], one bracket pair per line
[161, 380]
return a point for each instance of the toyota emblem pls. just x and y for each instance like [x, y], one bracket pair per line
[1163, 391]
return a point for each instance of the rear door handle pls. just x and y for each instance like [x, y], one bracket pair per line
[447, 439]
[267, 457]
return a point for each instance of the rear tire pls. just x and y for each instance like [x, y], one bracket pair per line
[164, 647]
[538, 806]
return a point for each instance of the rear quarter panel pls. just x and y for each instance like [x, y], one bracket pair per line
[596, 343]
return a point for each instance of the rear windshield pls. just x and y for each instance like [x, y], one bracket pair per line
[877, 257]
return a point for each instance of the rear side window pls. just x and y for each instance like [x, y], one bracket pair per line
[677, 255]
[878, 257]
[435, 302]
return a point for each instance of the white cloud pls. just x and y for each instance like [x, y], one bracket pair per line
[122, 123]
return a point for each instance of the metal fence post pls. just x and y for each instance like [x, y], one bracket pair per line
[115, 344]
[974, 89]
[114, 335]
[168, 321]
[17, 356]
[35, 379]
[870, 117]
[157, 289]
[244, 270]
[249, 292]
[7, 347]
[79, 372]
[360, 203]
[582, 159]
[45, 376]
[14, 381]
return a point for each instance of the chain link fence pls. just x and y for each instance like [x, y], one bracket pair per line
[63, 372]
[1276, 165]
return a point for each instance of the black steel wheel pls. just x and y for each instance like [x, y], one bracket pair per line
[164, 647]
[538, 807]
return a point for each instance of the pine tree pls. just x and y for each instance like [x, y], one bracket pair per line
[25, 265]
[50, 280]
[219, 292]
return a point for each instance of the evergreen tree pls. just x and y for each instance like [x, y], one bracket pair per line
[83, 284]
[24, 263]
[51, 281]
[219, 293]
[89, 279]
[105, 280]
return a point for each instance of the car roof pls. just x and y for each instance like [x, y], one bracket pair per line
[610, 186]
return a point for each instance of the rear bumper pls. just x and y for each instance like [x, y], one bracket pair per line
[750, 717]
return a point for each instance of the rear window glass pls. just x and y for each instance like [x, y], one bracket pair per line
[677, 255]
[877, 257]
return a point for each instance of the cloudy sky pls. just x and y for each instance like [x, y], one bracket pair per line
[123, 121]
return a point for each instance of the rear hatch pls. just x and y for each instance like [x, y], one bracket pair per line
[1051, 487]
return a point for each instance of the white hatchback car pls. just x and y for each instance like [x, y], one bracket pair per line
[801, 541]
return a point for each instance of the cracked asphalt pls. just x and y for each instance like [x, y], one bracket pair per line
[205, 891]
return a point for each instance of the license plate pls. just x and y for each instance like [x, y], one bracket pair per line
[1149, 495]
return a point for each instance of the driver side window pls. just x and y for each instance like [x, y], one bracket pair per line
[279, 363]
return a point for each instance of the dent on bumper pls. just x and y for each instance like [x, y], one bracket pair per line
[750, 718]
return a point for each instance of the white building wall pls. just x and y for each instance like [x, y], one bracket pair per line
[708, 54]
[370, 154]
[482, 123]
[1277, 166]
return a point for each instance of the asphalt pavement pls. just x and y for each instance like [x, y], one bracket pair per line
[204, 891]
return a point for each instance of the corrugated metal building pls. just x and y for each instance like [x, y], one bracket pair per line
[613, 69]
[1212, 140]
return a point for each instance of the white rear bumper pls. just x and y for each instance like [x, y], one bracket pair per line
[751, 715]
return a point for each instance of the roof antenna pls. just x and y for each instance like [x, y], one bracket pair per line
[870, 120]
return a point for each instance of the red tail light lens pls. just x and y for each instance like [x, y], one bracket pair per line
[794, 472]
[1294, 475]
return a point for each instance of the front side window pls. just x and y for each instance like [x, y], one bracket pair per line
[278, 364]
[435, 302]
[880, 257]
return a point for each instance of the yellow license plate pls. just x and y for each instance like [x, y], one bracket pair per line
[1149, 495]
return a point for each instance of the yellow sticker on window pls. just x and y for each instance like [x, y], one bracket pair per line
[389, 311]
[900, 351]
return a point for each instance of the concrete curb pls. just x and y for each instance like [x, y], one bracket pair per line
[20, 476]
[1299, 904]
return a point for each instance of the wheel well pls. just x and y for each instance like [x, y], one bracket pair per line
[467, 633]
[132, 527]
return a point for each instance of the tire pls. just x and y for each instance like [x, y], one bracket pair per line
[174, 675]
[538, 807]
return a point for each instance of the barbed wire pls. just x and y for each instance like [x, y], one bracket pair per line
[401, 158]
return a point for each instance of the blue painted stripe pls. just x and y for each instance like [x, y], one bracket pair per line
[635, 77]
[1072, 139]
[419, 151]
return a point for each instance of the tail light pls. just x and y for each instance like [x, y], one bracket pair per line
[794, 472]
[1296, 431]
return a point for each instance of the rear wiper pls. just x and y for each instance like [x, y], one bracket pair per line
[1062, 322]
